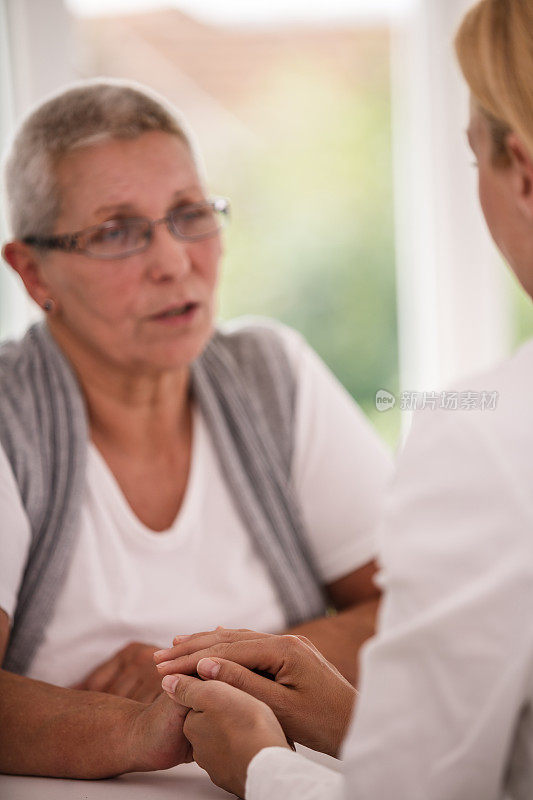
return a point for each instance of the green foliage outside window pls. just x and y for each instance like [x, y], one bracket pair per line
[311, 239]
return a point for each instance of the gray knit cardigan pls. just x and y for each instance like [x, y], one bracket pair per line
[246, 392]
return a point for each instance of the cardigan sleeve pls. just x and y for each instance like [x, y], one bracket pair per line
[14, 537]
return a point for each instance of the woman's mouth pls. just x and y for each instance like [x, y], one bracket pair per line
[177, 315]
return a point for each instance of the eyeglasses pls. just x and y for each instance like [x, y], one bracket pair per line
[119, 238]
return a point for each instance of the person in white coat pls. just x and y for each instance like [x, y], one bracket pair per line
[445, 709]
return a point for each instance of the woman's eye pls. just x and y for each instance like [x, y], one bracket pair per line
[195, 213]
[114, 234]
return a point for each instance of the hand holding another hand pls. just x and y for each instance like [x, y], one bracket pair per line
[226, 728]
[309, 697]
[154, 738]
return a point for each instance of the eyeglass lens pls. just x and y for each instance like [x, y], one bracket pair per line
[127, 236]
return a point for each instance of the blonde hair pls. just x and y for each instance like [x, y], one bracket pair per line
[84, 114]
[494, 46]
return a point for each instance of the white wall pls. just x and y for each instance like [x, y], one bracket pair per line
[34, 61]
[453, 309]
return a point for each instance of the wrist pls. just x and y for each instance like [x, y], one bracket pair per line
[341, 721]
[134, 753]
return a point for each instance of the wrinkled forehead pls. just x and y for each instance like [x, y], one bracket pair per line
[144, 173]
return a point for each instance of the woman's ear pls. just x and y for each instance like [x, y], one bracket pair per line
[522, 172]
[23, 260]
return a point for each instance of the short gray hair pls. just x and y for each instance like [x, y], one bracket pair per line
[86, 113]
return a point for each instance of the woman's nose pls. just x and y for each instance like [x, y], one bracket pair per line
[168, 256]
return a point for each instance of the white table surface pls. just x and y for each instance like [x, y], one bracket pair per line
[186, 782]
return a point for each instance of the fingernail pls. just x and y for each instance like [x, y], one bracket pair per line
[208, 668]
[182, 638]
[159, 653]
[169, 683]
[162, 664]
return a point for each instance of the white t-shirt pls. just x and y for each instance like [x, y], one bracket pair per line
[128, 583]
[446, 704]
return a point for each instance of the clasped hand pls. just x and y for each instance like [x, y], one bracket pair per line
[128, 673]
[235, 711]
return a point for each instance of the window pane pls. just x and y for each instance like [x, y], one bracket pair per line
[294, 124]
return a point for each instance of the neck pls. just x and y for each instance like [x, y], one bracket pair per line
[132, 410]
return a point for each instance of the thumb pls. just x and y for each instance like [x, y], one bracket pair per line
[184, 691]
[208, 667]
[263, 688]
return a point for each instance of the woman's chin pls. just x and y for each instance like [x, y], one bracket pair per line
[176, 352]
[138, 350]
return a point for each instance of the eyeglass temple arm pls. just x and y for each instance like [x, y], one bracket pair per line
[68, 243]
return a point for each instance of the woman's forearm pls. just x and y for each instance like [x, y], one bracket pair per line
[339, 637]
[51, 731]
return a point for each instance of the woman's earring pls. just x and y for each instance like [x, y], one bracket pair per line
[49, 305]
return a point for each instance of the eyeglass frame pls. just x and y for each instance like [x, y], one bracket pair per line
[69, 242]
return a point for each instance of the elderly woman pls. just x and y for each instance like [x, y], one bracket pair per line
[157, 474]
[447, 685]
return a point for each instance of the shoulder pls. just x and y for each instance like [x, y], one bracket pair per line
[256, 354]
[19, 359]
[497, 406]
[244, 335]
[14, 356]
[42, 413]
[21, 372]
[491, 404]
[476, 455]
[460, 509]
[17, 369]
[263, 350]
[515, 370]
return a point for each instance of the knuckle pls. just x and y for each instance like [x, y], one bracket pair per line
[185, 664]
[293, 648]
[224, 649]
[291, 641]
[227, 634]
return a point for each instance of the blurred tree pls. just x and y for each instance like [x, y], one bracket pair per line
[311, 240]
